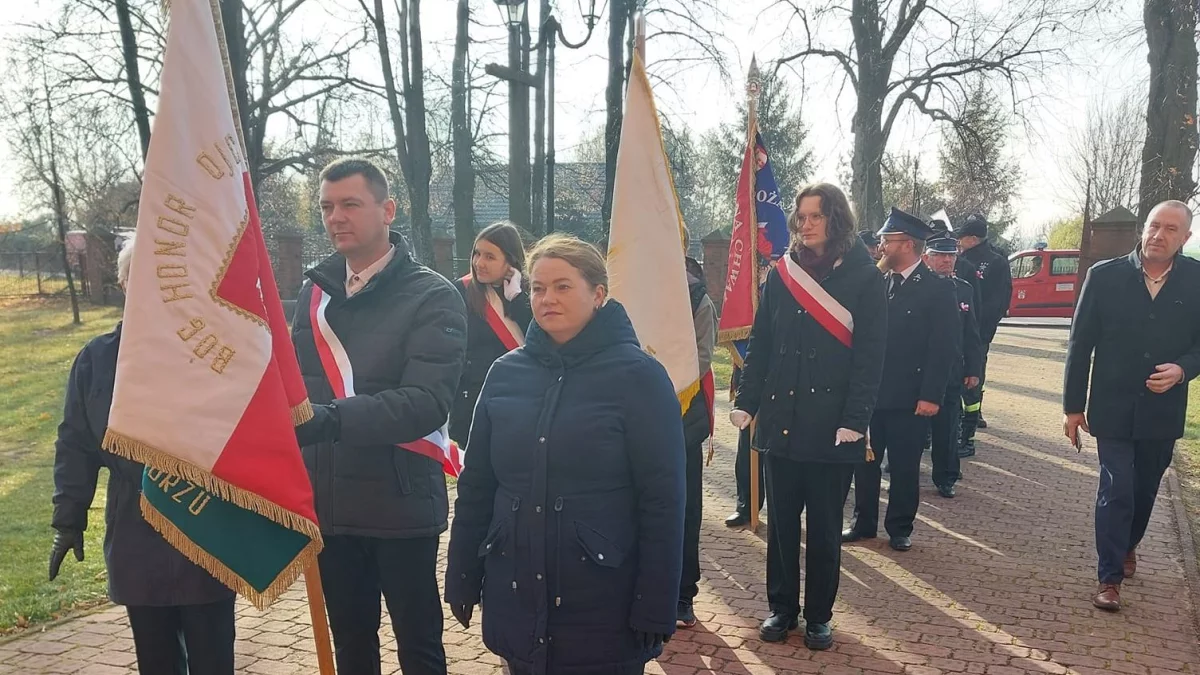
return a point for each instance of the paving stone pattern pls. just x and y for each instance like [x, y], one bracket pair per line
[998, 581]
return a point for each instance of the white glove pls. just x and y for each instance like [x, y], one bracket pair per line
[512, 287]
[847, 436]
[739, 418]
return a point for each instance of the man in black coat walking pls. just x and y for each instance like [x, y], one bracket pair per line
[391, 334]
[1137, 331]
[941, 256]
[994, 281]
[922, 343]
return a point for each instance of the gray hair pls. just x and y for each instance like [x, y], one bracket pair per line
[1179, 206]
[124, 258]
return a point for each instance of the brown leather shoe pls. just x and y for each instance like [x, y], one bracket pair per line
[1130, 564]
[1108, 597]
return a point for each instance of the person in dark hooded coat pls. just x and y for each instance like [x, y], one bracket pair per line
[568, 525]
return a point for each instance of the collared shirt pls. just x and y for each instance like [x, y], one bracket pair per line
[906, 273]
[894, 284]
[1155, 284]
[356, 281]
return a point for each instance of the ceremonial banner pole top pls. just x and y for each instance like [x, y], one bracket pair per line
[753, 91]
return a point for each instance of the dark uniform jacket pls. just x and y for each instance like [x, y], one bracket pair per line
[1129, 334]
[143, 569]
[969, 273]
[569, 517]
[483, 348]
[800, 381]
[995, 287]
[970, 363]
[923, 341]
[405, 334]
[697, 420]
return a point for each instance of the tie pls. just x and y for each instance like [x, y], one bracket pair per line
[897, 280]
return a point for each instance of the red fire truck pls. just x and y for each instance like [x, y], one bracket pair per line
[1044, 282]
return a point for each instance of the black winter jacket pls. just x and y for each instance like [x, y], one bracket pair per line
[1120, 334]
[924, 340]
[995, 287]
[569, 517]
[143, 569]
[483, 348]
[801, 382]
[405, 334]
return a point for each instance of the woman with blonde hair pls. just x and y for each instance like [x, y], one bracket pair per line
[568, 525]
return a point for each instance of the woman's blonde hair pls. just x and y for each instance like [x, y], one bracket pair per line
[124, 259]
[576, 253]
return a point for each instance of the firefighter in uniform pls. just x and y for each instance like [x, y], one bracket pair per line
[941, 256]
[995, 291]
[922, 341]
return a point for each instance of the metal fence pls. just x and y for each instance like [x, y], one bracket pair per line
[39, 273]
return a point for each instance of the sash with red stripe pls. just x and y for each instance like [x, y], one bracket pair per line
[508, 332]
[829, 313]
[336, 364]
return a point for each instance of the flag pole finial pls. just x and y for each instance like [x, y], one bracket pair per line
[753, 80]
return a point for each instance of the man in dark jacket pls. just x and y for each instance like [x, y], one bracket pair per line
[922, 343]
[941, 256]
[812, 372]
[391, 334]
[1140, 318]
[697, 427]
[994, 280]
[182, 618]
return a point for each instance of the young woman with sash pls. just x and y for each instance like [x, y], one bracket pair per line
[811, 376]
[498, 314]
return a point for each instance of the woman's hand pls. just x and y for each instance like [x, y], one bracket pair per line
[846, 436]
[512, 283]
[463, 614]
[739, 418]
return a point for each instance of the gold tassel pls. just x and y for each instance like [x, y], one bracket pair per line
[260, 599]
[302, 413]
[136, 451]
[689, 393]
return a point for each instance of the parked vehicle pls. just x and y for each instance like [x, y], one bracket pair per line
[1044, 282]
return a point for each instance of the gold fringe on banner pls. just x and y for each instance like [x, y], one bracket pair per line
[260, 599]
[302, 413]
[136, 451]
[688, 393]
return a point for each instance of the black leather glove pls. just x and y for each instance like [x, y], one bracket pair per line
[651, 640]
[65, 540]
[463, 614]
[326, 425]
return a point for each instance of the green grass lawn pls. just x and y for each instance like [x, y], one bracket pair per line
[1187, 462]
[37, 346]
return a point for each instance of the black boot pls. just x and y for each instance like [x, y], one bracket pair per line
[775, 628]
[818, 636]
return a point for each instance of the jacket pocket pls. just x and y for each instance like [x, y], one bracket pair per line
[496, 538]
[400, 461]
[599, 548]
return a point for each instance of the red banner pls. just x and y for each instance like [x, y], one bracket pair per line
[741, 282]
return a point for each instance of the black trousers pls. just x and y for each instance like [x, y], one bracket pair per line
[354, 571]
[901, 434]
[946, 425]
[741, 474]
[795, 487]
[973, 403]
[184, 639]
[1130, 473]
[693, 514]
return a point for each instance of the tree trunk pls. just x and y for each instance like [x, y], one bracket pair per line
[538, 226]
[870, 143]
[137, 95]
[614, 99]
[235, 38]
[1170, 148]
[464, 166]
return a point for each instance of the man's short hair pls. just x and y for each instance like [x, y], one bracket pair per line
[341, 169]
[1179, 206]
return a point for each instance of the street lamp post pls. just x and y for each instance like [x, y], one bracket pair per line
[519, 83]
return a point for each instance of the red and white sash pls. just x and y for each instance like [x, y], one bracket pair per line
[336, 364]
[505, 328]
[829, 313]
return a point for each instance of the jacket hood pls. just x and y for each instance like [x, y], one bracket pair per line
[608, 328]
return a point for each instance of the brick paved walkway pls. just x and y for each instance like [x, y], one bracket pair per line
[998, 581]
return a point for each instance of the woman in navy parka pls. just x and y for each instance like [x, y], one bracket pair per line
[569, 518]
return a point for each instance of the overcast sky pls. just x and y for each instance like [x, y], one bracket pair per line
[702, 99]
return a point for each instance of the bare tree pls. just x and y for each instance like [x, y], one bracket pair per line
[464, 163]
[408, 123]
[1106, 155]
[1170, 149]
[137, 96]
[919, 54]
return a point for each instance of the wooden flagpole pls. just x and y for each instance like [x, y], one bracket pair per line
[639, 35]
[312, 575]
[753, 89]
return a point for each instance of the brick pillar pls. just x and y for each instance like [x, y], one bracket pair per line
[289, 264]
[99, 266]
[716, 265]
[443, 257]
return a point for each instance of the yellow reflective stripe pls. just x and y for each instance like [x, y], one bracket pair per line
[974, 407]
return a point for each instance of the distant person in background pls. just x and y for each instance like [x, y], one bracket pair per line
[498, 314]
[182, 618]
[871, 241]
[1136, 336]
[995, 293]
